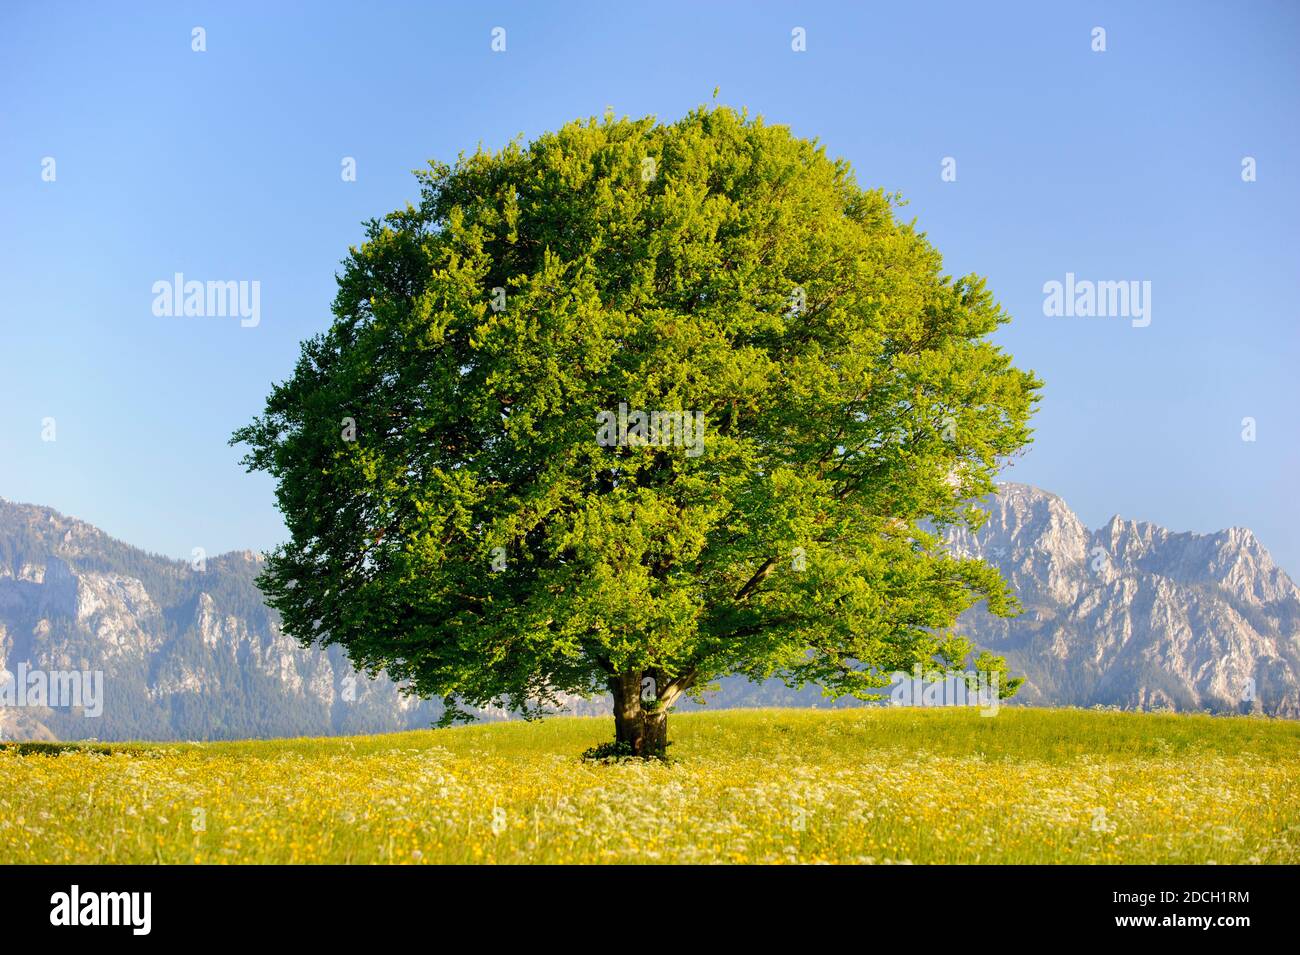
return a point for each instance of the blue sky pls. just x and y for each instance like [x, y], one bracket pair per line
[225, 164]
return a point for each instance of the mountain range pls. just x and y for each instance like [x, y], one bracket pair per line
[1129, 615]
[1134, 616]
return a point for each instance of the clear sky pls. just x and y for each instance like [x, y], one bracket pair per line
[226, 165]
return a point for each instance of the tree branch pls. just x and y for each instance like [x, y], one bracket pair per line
[759, 576]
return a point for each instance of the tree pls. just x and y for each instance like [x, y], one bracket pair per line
[489, 469]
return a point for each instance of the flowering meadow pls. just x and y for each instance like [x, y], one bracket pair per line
[875, 785]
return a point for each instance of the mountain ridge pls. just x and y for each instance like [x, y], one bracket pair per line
[1134, 615]
[1129, 615]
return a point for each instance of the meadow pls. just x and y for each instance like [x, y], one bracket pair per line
[878, 785]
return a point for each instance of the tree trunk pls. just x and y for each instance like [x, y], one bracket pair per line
[654, 730]
[642, 723]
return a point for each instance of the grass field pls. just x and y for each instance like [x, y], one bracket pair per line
[869, 785]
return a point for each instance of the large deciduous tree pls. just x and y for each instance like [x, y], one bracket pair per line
[463, 515]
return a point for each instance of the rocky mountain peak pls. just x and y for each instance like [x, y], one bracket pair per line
[186, 653]
[1133, 613]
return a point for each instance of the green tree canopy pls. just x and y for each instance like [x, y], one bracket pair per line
[459, 517]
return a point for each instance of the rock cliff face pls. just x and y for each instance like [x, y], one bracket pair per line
[1130, 615]
[184, 653]
[1135, 616]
